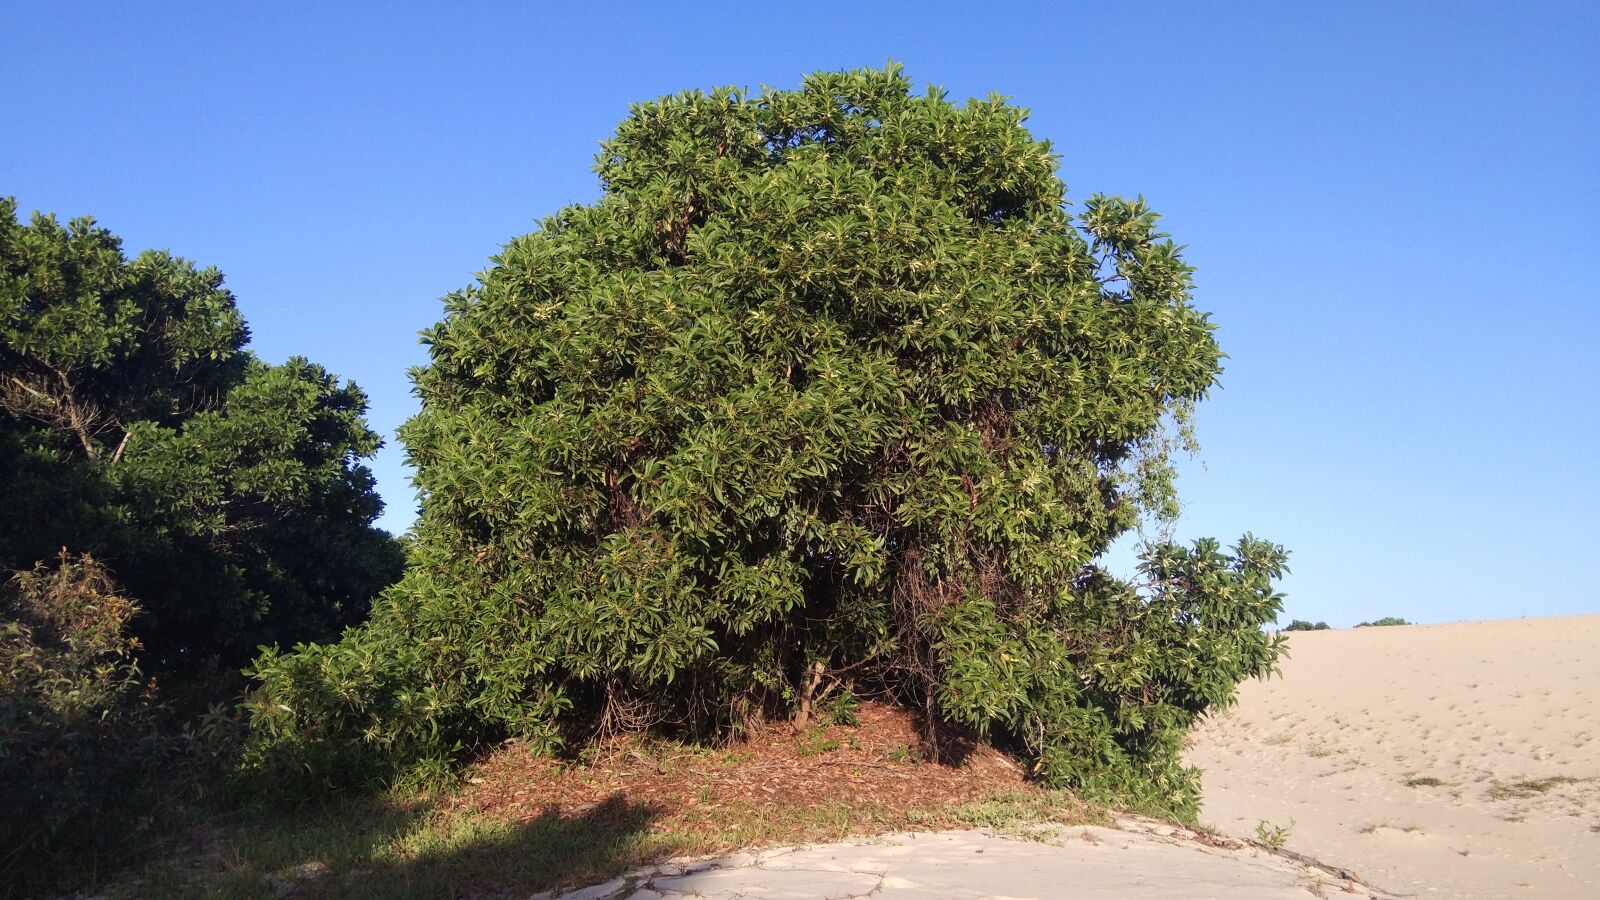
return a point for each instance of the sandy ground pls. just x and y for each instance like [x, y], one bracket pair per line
[1140, 859]
[1458, 760]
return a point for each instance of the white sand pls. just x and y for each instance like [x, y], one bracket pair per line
[1493, 710]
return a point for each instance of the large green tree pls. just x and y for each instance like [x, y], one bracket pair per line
[829, 386]
[226, 495]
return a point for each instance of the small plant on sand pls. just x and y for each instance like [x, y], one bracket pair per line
[1383, 622]
[1424, 781]
[1274, 836]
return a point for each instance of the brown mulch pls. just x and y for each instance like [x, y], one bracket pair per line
[875, 764]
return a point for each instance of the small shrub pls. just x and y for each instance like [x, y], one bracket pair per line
[80, 743]
[1303, 625]
[840, 709]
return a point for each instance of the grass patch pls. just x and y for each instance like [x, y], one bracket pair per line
[1375, 827]
[1527, 787]
[902, 753]
[1424, 781]
[815, 742]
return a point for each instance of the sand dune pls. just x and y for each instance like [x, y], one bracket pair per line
[1458, 760]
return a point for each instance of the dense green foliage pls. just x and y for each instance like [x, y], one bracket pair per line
[829, 386]
[167, 503]
[1303, 625]
[1385, 621]
[223, 494]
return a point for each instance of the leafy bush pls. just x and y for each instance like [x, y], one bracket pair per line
[79, 737]
[842, 708]
[1385, 621]
[1303, 625]
[829, 381]
[225, 494]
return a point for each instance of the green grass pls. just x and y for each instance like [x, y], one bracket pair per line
[902, 754]
[815, 742]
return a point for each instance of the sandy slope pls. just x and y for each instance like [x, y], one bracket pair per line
[1504, 716]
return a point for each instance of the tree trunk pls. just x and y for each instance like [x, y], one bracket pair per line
[808, 690]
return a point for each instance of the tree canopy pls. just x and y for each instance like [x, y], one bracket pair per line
[831, 388]
[226, 495]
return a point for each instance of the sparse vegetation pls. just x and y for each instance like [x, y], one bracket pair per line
[815, 741]
[1375, 827]
[1424, 781]
[1524, 788]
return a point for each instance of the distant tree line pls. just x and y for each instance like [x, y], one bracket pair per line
[1303, 625]
[1386, 620]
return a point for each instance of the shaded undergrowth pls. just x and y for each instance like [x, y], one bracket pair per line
[514, 823]
[385, 847]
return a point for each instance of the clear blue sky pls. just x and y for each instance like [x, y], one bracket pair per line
[1394, 210]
